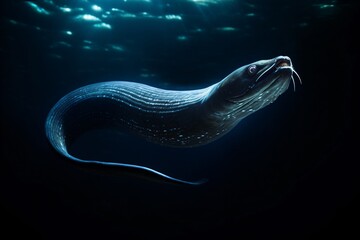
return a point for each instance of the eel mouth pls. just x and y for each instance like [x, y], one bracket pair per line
[283, 62]
[280, 63]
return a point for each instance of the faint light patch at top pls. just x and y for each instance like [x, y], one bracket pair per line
[324, 6]
[65, 9]
[325, 9]
[116, 47]
[182, 38]
[51, 2]
[227, 29]
[148, 1]
[197, 30]
[37, 8]
[208, 2]
[102, 26]
[87, 45]
[69, 33]
[173, 17]
[96, 8]
[88, 17]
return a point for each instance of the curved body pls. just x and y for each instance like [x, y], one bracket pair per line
[166, 117]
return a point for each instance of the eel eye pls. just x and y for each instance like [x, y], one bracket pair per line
[252, 69]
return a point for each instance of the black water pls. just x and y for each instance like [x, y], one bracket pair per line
[289, 170]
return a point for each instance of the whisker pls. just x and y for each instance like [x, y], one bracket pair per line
[265, 72]
[293, 81]
[297, 75]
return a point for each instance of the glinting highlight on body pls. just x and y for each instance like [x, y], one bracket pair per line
[171, 118]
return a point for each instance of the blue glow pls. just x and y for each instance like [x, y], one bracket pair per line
[323, 6]
[65, 9]
[87, 48]
[117, 47]
[182, 38]
[88, 17]
[173, 17]
[227, 29]
[102, 25]
[96, 8]
[207, 2]
[37, 8]
[128, 15]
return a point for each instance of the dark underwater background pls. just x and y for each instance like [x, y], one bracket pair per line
[290, 170]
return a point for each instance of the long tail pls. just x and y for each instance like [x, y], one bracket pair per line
[130, 168]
